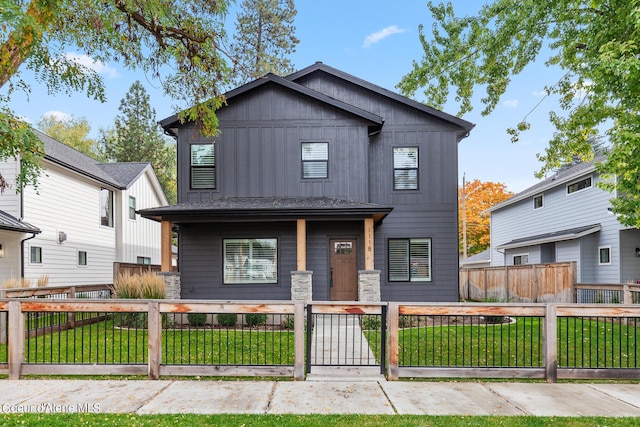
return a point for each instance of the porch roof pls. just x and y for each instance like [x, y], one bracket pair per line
[230, 209]
[11, 223]
[556, 236]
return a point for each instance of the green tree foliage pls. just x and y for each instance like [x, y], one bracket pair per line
[595, 42]
[136, 137]
[178, 41]
[264, 39]
[73, 132]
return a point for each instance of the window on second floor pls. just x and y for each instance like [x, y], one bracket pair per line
[203, 166]
[604, 255]
[106, 207]
[132, 207]
[315, 160]
[579, 185]
[405, 168]
[538, 201]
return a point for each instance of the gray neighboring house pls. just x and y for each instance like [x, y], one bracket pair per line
[482, 259]
[566, 217]
[319, 186]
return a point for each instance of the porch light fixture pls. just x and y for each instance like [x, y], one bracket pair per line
[1, 252]
[62, 236]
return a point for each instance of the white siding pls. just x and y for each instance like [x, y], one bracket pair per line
[10, 200]
[142, 236]
[66, 202]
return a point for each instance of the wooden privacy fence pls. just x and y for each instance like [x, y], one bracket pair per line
[520, 283]
[180, 337]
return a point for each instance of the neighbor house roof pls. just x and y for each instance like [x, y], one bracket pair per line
[245, 208]
[11, 223]
[289, 82]
[556, 236]
[118, 175]
[559, 178]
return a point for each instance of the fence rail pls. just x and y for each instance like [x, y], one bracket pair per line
[182, 337]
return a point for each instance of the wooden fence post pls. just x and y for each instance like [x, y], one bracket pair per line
[71, 316]
[551, 344]
[155, 338]
[298, 341]
[626, 294]
[393, 318]
[16, 339]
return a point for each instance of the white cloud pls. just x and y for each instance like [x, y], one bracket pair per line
[511, 103]
[382, 34]
[88, 62]
[58, 115]
[539, 93]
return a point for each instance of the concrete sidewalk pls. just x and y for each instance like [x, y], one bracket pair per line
[319, 397]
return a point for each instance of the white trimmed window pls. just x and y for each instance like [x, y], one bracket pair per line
[82, 258]
[250, 261]
[538, 201]
[106, 207]
[521, 259]
[604, 255]
[315, 160]
[583, 184]
[409, 260]
[143, 260]
[405, 168]
[132, 207]
[203, 166]
[36, 255]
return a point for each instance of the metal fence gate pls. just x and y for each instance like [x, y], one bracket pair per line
[346, 335]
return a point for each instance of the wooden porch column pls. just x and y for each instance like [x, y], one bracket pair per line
[165, 247]
[368, 244]
[301, 250]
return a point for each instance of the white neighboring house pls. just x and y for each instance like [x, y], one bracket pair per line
[566, 217]
[80, 220]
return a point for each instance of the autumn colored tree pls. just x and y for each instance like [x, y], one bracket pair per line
[73, 132]
[474, 198]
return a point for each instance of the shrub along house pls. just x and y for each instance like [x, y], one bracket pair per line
[319, 186]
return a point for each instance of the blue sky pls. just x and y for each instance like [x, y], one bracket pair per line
[376, 41]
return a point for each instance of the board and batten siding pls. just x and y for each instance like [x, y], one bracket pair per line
[65, 202]
[140, 237]
[562, 211]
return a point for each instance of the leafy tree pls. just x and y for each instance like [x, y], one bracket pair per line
[136, 137]
[73, 132]
[178, 41]
[264, 39]
[474, 198]
[594, 42]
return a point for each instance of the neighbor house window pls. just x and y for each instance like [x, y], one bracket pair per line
[82, 258]
[315, 160]
[36, 255]
[409, 260]
[521, 259]
[604, 254]
[250, 261]
[144, 260]
[405, 168]
[106, 207]
[538, 202]
[203, 166]
[579, 185]
[132, 207]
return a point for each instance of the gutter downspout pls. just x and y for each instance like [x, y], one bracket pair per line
[22, 254]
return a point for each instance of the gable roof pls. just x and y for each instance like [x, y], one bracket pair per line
[290, 83]
[11, 223]
[321, 67]
[118, 175]
[559, 178]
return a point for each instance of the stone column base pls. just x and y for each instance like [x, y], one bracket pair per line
[301, 286]
[172, 284]
[369, 285]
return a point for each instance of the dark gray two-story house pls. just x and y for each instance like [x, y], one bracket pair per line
[319, 186]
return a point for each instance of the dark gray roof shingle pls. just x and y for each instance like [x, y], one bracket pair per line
[11, 223]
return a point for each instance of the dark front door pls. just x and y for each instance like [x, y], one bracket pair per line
[343, 270]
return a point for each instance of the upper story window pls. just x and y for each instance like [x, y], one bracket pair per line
[409, 260]
[132, 207]
[405, 168]
[315, 160]
[579, 185]
[203, 166]
[604, 255]
[538, 201]
[106, 207]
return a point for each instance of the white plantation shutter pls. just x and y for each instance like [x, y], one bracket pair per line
[315, 160]
[399, 260]
[203, 166]
[409, 260]
[405, 168]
